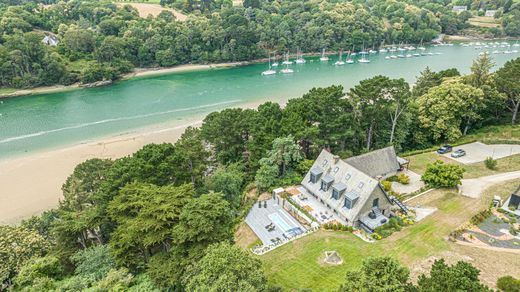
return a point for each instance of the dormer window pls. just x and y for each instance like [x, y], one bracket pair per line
[337, 190]
[315, 174]
[361, 185]
[326, 182]
[350, 199]
[336, 169]
[348, 176]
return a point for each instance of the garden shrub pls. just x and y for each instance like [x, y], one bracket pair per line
[403, 179]
[387, 185]
[508, 283]
[480, 217]
[376, 236]
[490, 163]
[440, 174]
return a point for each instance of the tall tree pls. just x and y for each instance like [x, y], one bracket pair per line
[459, 277]
[225, 267]
[507, 82]
[191, 156]
[145, 216]
[377, 274]
[377, 97]
[448, 110]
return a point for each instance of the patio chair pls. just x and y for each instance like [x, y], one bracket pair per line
[265, 204]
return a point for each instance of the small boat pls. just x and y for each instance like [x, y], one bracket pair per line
[269, 71]
[364, 60]
[514, 51]
[287, 62]
[382, 51]
[400, 56]
[323, 58]
[287, 71]
[408, 55]
[416, 55]
[340, 61]
[299, 57]
[372, 51]
[516, 45]
[387, 58]
[393, 57]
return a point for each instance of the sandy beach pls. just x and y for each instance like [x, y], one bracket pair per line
[31, 184]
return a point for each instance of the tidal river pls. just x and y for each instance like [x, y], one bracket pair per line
[34, 123]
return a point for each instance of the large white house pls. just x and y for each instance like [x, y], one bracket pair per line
[351, 189]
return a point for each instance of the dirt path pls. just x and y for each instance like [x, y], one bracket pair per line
[474, 187]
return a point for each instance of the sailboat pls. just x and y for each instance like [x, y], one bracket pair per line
[363, 58]
[274, 64]
[349, 59]
[299, 57]
[323, 58]
[516, 44]
[340, 62]
[269, 71]
[286, 70]
[287, 62]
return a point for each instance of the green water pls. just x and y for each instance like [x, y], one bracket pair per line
[33, 123]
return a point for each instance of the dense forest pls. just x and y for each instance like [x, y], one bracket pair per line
[164, 217]
[99, 40]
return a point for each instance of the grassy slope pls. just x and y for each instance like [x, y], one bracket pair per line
[7, 90]
[297, 264]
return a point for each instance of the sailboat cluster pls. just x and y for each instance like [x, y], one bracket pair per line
[324, 58]
[498, 47]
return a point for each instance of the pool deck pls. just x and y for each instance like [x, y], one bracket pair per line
[259, 218]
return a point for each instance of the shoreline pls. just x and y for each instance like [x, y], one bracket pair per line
[31, 183]
[157, 71]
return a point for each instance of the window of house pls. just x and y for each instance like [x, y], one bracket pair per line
[313, 178]
[348, 176]
[336, 169]
[361, 185]
[335, 194]
[348, 204]
[375, 202]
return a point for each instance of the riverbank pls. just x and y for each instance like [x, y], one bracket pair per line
[32, 184]
[140, 72]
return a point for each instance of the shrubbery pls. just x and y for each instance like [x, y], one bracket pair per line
[337, 227]
[491, 163]
[480, 217]
[508, 283]
[403, 179]
[440, 174]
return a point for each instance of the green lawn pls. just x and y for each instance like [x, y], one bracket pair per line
[419, 162]
[297, 264]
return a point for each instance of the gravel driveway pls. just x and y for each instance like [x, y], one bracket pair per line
[478, 152]
[474, 187]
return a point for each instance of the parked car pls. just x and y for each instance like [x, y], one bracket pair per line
[445, 149]
[458, 153]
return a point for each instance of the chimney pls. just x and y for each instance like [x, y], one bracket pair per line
[336, 159]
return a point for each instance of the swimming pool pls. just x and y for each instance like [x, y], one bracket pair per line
[280, 222]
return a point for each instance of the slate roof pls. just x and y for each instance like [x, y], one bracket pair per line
[342, 174]
[378, 163]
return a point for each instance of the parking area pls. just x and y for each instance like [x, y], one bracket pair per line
[271, 223]
[478, 152]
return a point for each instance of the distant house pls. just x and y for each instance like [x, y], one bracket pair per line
[490, 13]
[50, 40]
[459, 9]
[350, 188]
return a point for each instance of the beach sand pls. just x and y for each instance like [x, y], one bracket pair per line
[31, 184]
